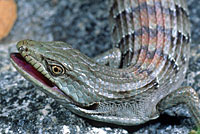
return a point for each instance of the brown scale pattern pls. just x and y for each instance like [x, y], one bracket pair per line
[150, 33]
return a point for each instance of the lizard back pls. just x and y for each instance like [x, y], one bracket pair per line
[150, 33]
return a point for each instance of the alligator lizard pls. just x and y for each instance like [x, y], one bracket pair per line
[131, 83]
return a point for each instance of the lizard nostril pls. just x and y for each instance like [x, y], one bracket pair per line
[26, 49]
[21, 49]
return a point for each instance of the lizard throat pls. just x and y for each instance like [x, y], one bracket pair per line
[27, 67]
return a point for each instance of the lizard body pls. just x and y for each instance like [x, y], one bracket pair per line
[130, 84]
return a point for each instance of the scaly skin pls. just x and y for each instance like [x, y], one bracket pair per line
[130, 84]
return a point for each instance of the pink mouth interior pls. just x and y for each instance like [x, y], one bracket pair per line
[22, 63]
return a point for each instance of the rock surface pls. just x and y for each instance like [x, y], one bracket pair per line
[84, 25]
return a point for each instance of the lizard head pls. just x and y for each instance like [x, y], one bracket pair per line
[56, 68]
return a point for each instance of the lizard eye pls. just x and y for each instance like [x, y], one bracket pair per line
[57, 70]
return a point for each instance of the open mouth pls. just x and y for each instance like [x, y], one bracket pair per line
[28, 68]
[34, 75]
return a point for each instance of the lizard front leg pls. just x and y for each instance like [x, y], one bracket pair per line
[185, 95]
[110, 58]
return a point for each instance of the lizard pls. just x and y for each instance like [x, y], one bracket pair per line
[130, 84]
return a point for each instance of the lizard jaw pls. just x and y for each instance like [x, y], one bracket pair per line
[32, 74]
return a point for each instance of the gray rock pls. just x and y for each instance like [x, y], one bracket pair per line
[84, 25]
